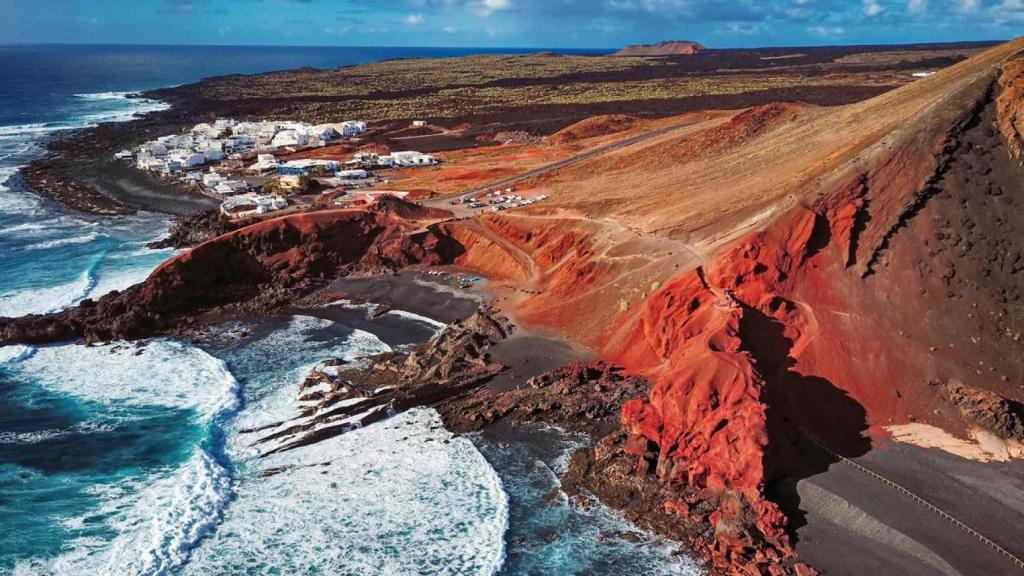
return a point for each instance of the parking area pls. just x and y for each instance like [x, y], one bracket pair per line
[496, 200]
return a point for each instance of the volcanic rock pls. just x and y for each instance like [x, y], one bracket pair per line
[663, 48]
[1002, 417]
[257, 267]
[192, 230]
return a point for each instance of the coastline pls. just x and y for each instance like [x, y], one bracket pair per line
[77, 170]
[547, 381]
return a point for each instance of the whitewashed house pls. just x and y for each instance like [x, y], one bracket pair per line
[155, 149]
[352, 128]
[412, 158]
[351, 174]
[264, 163]
[251, 205]
[230, 187]
[186, 159]
[211, 179]
[289, 138]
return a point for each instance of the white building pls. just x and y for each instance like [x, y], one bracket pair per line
[154, 149]
[211, 179]
[289, 138]
[352, 128]
[351, 174]
[186, 159]
[412, 158]
[264, 163]
[323, 132]
[251, 205]
[213, 155]
[373, 159]
[230, 187]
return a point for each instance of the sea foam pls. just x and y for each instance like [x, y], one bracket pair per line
[67, 241]
[157, 517]
[48, 299]
[417, 318]
[164, 373]
[402, 496]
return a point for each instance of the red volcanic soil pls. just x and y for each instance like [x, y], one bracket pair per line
[663, 48]
[845, 267]
[592, 127]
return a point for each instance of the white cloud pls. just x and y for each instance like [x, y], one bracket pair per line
[485, 8]
[745, 29]
[414, 19]
[872, 8]
[1008, 12]
[827, 30]
[917, 7]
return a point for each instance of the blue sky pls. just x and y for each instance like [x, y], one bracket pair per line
[508, 23]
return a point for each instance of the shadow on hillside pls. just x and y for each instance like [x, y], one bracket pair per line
[810, 420]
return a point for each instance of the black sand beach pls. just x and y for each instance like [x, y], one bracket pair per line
[526, 353]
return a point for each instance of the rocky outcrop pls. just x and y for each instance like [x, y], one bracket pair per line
[255, 268]
[582, 397]
[594, 127]
[193, 230]
[336, 399]
[984, 408]
[722, 337]
[1010, 108]
[663, 48]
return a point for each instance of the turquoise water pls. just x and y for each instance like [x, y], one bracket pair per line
[123, 460]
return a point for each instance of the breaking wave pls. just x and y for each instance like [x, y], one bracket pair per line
[417, 318]
[157, 517]
[58, 242]
[47, 300]
[403, 496]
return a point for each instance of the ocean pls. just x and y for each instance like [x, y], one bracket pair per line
[123, 459]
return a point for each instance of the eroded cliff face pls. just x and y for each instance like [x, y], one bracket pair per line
[841, 318]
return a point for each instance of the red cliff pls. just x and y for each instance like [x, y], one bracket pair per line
[258, 266]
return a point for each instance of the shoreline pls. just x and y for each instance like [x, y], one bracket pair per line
[77, 171]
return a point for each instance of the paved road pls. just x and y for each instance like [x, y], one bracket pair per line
[513, 180]
[858, 525]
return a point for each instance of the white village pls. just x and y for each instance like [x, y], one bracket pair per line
[237, 162]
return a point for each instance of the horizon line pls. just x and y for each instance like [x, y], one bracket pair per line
[463, 47]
